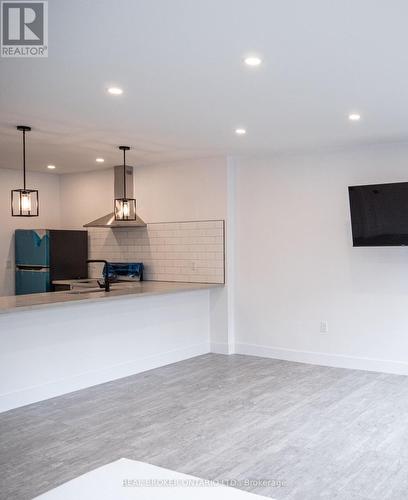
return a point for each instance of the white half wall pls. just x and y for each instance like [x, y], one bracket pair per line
[49, 218]
[49, 352]
[296, 267]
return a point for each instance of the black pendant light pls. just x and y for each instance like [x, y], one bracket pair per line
[125, 208]
[24, 202]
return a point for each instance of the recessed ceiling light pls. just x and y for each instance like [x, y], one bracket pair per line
[100, 160]
[240, 131]
[253, 61]
[115, 91]
[51, 167]
[354, 117]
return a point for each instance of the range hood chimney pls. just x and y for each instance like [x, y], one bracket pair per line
[109, 220]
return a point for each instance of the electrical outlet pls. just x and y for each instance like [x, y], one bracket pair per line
[8, 264]
[324, 327]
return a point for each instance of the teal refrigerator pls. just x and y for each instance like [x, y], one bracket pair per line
[45, 255]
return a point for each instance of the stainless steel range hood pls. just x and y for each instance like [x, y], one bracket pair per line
[109, 219]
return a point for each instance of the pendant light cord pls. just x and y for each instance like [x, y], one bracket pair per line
[24, 160]
[124, 173]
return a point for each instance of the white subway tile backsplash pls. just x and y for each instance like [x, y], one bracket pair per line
[175, 251]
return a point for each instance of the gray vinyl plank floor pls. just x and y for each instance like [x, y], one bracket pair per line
[318, 432]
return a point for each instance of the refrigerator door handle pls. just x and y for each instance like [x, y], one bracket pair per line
[40, 269]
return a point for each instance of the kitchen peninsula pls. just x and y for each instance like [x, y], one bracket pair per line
[56, 343]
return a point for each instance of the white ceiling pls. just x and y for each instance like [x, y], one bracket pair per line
[186, 89]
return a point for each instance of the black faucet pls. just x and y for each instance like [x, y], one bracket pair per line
[106, 284]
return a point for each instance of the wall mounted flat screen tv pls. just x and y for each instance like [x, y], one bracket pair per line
[379, 214]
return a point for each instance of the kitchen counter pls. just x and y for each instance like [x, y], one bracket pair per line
[140, 289]
[66, 341]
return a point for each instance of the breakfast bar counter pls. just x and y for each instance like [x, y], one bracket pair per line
[59, 342]
[140, 289]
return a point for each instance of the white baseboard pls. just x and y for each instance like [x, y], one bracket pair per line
[323, 358]
[63, 386]
[88, 379]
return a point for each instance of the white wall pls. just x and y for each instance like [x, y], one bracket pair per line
[186, 190]
[85, 197]
[295, 264]
[52, 351]
[50, 217]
